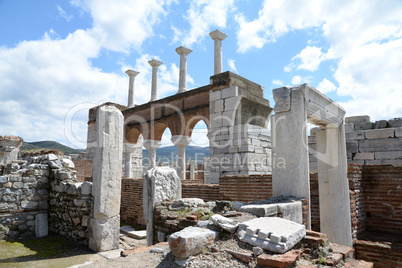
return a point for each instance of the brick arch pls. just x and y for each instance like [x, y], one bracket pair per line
[192, 122]
[132, 133]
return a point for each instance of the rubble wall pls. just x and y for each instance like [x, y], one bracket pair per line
[382, 196]
[70, 207]
[23, 194]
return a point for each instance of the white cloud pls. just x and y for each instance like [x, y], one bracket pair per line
[326, 86]
[277, 82]
[202, 16]
[296, 79]
[232, 66]
[63, 14]
[121, 25]
[309, 59]
[364, 37]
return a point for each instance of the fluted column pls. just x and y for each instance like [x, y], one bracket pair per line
[151, 146]
[181, 142]
[218, 37]
[183, 52]
[154, 88]
[132, 74]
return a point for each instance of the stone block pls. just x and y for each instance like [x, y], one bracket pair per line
[289, 233]
[396, 122]
[218, 106]
[244, 257]
[215, 95]
[380, 145]
[26, 204]
[381, 124]
[138, 234]
[231, 103]
[349, 127]
[41, 225]
[380, 133]
[364, 156]
[358, 119]
[261, 210]
[224, 223]
[291, 211]
[86, 188]
[364, 126]
[191, 241]
[397, 162]
[352, 146]
[398, 132]
[230, 92]
[388, 155]
[3, 179]
[104, 234]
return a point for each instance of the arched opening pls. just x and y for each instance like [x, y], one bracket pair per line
[197, 152]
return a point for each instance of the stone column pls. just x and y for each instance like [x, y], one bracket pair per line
[290, 164]
[151, 146]
[129, 148]
[106, 173]
[192, 169]
[132, 74]
[181, 142]
[154, 89]
[218, 37]
[183, 52]
[333, 185]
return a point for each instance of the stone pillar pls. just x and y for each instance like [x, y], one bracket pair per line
[218, 37]
[151, 146]
[132, 74]
[159, 184]
[192, 169]
[129, 150]
[181, 142]
[333, 185]
[290, 164]
[183, 52]
[154, 89]
[106, 173]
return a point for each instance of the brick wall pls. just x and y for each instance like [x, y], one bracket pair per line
[245, 188]
[84, 169]
[383, 192]
[382, 254]
[315, 202]
[207, 192]
[131, 210]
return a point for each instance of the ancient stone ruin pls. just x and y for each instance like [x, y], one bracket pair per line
[290, 198]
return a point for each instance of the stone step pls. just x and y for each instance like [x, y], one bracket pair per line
[334, 259]
[347, 252]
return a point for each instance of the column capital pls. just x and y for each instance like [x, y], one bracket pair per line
[181, 140]
[151, 144]
[183, 50]
[217, 35]
[130, 72]
[154, 63]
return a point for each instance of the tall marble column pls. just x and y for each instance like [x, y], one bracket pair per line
[183, 52]
[154, 89]
[181, 142]
[218, 37]
[132, 74]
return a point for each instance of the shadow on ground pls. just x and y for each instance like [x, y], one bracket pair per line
[36, 249]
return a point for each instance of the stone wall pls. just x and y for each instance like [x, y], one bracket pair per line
[23, 194]
[70, 206]
[368, 143]
[382, 197]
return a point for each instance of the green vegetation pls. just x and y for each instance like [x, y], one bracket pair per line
[28, 146]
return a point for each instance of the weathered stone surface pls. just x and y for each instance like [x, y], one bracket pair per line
[396, 122]
[358, 119]
[364, 156]
[358, 264]
[188, 202]
[236, 205]
[225, 223]
[104, 234]
[160, 183]
[380, 145]
[398, 132]
[261, 210]
[29, 204]
[284, 260]
[271, 233]
[138, 234]
[191, 241]
[380, 133]
[41, 225]
[388, 155]
[282, 99]
[257, 251]
[381, 124]
[67, 163]
[290, 210]
[86, 188]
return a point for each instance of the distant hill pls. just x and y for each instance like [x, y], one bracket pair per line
[168, 153]
[27, 146]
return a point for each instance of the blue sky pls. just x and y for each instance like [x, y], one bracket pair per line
[58, 58]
